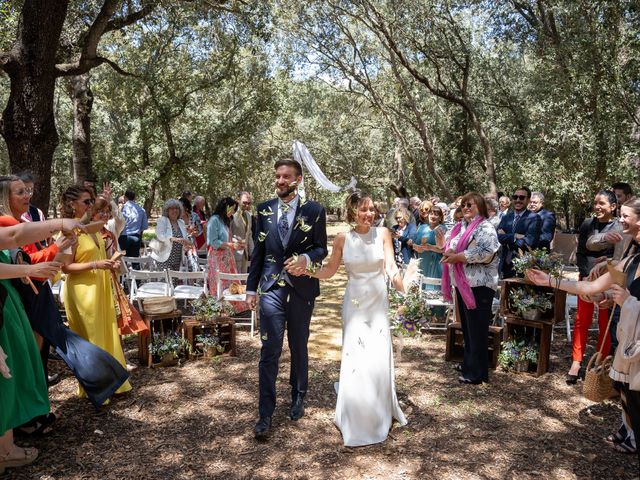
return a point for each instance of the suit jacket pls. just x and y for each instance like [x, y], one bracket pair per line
[239, 230]
[405, 249]
[267, 260]
[547, 229]
[528, 225]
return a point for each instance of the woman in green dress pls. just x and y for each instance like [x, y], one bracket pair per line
[23, 388]
[429, 235]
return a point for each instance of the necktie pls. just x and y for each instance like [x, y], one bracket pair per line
[516, 217]
[283, 224]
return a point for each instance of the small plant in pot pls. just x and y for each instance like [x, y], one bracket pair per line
[209, 345]
[540, 259]
[168, 349]
[518, 355]
[207, 307]
[529, 303]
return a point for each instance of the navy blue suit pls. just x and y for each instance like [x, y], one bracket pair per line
[547, 229]
[405, 249]
[285, 300]
[529, 226]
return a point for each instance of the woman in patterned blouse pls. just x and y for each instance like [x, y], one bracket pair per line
[470, 265]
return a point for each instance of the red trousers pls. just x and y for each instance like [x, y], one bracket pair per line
[584, 317]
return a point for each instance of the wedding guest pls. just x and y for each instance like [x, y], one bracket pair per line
[493, 208]
[402, 233]
[136, 223]
[503, 202]
[241, 231]
[548, 225]
[199, 210]
[414, 208]
[222, 246]
[171, 237]
[623, 192]
[470, 265]
[592, 250]
[518, 231]
[428, 242]
[88, 297]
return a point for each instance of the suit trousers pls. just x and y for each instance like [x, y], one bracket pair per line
[475, 331]
[280, 308]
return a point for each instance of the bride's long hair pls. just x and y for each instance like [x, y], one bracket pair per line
[352, 203]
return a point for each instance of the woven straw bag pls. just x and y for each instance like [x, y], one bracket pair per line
[598, 386]
[159, 305]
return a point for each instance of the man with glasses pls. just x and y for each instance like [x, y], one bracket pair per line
[548, 226]
[135, 223]
[241, 231]
[519, 229]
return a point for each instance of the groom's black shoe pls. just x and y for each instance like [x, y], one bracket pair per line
[262, 428]
[297, 408]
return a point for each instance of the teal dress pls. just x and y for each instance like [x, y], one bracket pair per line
[23, 396]
[430, 266]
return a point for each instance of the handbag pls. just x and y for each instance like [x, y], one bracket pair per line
[598, 386]
[129, 319]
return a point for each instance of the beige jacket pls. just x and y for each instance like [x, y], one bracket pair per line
[626, 362]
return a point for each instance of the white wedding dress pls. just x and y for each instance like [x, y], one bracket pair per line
[367, 402]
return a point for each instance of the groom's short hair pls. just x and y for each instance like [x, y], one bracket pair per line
[289, 162]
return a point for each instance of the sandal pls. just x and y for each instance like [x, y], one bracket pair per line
[37, 427]
[625, 446]
[619, 436]
[28, 456]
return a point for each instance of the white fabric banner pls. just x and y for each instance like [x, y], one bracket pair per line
[302, 156]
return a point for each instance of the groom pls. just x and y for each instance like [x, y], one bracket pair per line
[290, 236]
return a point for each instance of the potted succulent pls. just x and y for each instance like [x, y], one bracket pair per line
[409, 313]
[529, 303]
[209, 345]
[207, 307]
[169, 349]
[517, 355]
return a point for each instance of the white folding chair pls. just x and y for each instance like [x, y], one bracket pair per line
[241, 297]
[193, 286]
[145, 263]
[152, 284]
[437, 302]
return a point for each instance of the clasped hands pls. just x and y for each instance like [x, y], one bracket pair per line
[296, 265]
[451, 257]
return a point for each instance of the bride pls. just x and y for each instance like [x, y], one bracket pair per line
[367, 402]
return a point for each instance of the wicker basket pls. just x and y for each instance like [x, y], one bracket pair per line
[598, 386]
[159, 305]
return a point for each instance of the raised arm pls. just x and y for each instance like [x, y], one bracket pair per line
[26, 233]
[600, 284]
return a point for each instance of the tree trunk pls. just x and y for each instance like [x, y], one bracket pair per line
[82, 97]
[28, 124]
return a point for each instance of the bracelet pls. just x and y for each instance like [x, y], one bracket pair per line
[550, 282]
[94, 265]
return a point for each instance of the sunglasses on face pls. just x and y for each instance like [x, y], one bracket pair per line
[89, 201]
[467, 205]
[518, 197]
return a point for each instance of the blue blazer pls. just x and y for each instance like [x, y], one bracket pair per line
[547, 229]
[406, 250]
[528, 225]
[267, 259]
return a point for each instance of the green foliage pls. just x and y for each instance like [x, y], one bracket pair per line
[517, 350]
[523, 299]
[409, 313]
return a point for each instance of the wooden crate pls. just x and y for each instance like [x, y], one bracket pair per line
[222, 327]
[558, 299]
[538, 331]
[455, 344]
[159, 324]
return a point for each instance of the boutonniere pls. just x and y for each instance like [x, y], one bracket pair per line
[301, 223]
[266, 212]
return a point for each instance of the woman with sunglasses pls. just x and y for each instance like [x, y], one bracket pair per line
[470, 266]
[88, 295]
[590, 252]
[402, 234]
[94, 368]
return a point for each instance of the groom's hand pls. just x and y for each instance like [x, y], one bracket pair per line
[296, 266]
[250, 298]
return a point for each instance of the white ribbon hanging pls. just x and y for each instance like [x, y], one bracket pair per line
[301, 155]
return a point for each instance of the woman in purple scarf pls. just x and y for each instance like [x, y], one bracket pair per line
[470, 266]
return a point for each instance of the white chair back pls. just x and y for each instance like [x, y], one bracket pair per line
[194, 284]
[241, 297]
[152, 284]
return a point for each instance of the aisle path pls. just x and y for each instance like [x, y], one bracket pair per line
[326, 326]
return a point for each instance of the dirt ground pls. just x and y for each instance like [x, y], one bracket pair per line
[196, 421]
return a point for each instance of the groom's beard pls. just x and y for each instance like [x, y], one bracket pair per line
[288, 191]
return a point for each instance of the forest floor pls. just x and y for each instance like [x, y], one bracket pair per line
[196, 421]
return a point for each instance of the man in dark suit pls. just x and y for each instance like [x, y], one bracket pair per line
[548, 226]
[289, 233]
[519, 229]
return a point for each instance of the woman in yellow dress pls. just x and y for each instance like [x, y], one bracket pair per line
[88, 295]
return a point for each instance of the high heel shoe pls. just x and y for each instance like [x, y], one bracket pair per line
[573, 379]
